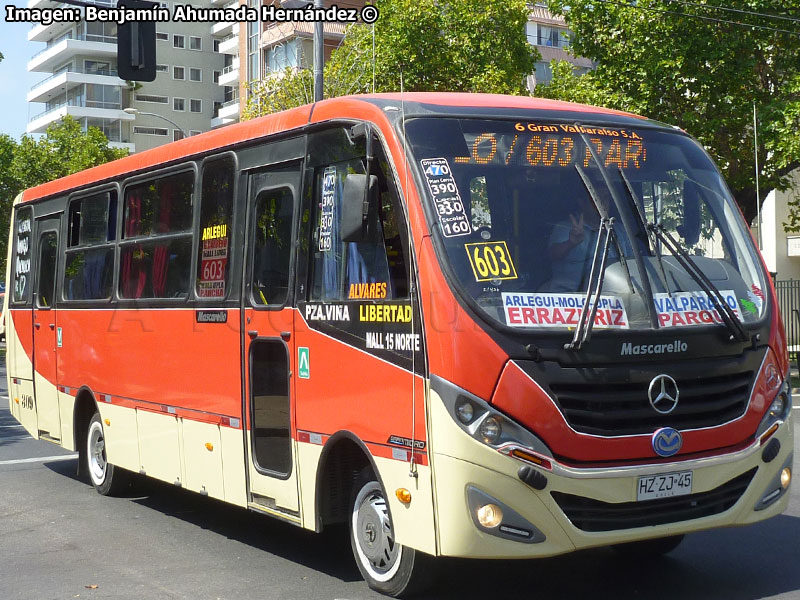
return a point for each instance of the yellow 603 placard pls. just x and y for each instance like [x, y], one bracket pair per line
[490, 260]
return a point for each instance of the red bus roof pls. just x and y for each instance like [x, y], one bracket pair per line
[284, 121]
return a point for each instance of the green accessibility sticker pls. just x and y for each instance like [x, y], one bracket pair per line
[303, 366]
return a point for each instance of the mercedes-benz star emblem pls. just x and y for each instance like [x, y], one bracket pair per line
[663, 394]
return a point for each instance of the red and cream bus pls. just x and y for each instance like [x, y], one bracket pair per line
[465, 325]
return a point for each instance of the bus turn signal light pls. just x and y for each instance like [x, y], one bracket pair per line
[528, 456]
[209, 446]
[107, 422]
[403, 495]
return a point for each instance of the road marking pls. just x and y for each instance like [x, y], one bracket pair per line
[11, 427]
[38, 459]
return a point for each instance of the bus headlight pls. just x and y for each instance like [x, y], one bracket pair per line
[490, 515]
[777, 411]
[491, 429]
[778, 407]
[786, 477]
[464, 411]
[478, 419]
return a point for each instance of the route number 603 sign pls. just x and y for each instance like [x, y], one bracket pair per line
[490, 261]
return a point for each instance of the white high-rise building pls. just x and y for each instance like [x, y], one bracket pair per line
[226, 41]
[79, 61]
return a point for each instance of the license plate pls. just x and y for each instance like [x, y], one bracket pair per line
[665, 485]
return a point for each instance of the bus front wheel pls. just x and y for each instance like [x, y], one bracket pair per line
[388, 567]
[106, 479]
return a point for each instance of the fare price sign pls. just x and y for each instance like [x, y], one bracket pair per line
[328, 206]
[446, 199]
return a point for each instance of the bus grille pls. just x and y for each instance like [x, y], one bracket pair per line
[593, 515]
[613, 409]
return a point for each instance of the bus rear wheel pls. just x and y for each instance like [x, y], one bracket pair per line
[105, 478]
[388, 567]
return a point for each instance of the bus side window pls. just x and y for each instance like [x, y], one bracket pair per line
[216, 220]
[272, 246]
[21, 265]
[48, 246]
[89, 268]
[156, 250]
[373, 269]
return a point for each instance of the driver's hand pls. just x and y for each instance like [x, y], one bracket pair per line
[576, 233]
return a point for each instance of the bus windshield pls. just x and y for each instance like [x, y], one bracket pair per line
[519, 206]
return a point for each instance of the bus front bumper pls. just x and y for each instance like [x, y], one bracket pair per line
[583, 508]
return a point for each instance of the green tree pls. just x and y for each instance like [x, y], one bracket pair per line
[701, 75]
[62, 150]
[438, 45]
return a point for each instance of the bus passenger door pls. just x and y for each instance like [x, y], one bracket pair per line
[45, 331]
[268, 340]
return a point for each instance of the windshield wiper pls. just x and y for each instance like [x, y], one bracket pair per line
[595, 285]
[726, 313]
[652, 240]
[584, 329]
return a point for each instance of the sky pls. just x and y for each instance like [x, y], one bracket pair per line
[15, 81]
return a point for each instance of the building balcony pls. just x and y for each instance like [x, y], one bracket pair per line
[96, 110]
[42, 3]
[60, 83]
[226, 114]
[42, 33]
[86, 45]
[230, 74]
[129, 146]
[230, 44]
[223, 28]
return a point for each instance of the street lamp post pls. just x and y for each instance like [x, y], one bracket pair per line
[136, 112]
[319, 43]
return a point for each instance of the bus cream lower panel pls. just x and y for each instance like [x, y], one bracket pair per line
[159, 447]
[460, 461]
[413, 522]
[122, 436]
[308, 456]
[233, 465]
[21, 395]
[47, 407]
[66, 407]
[202, 457]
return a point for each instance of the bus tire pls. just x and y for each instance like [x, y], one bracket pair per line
[106, 479]
[388, 567]
[646, 549]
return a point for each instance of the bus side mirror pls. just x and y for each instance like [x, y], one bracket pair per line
[359, 207]
[136, 45]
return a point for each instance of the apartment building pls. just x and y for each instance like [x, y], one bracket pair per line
[254, 51]
[550, 34]
[79, 61]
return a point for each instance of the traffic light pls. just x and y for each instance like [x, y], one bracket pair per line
[136, 45]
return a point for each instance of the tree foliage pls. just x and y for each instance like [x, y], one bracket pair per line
[701, 75]
[437, 45]
[62, 150]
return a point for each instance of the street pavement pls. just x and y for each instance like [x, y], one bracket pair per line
[60, 539]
